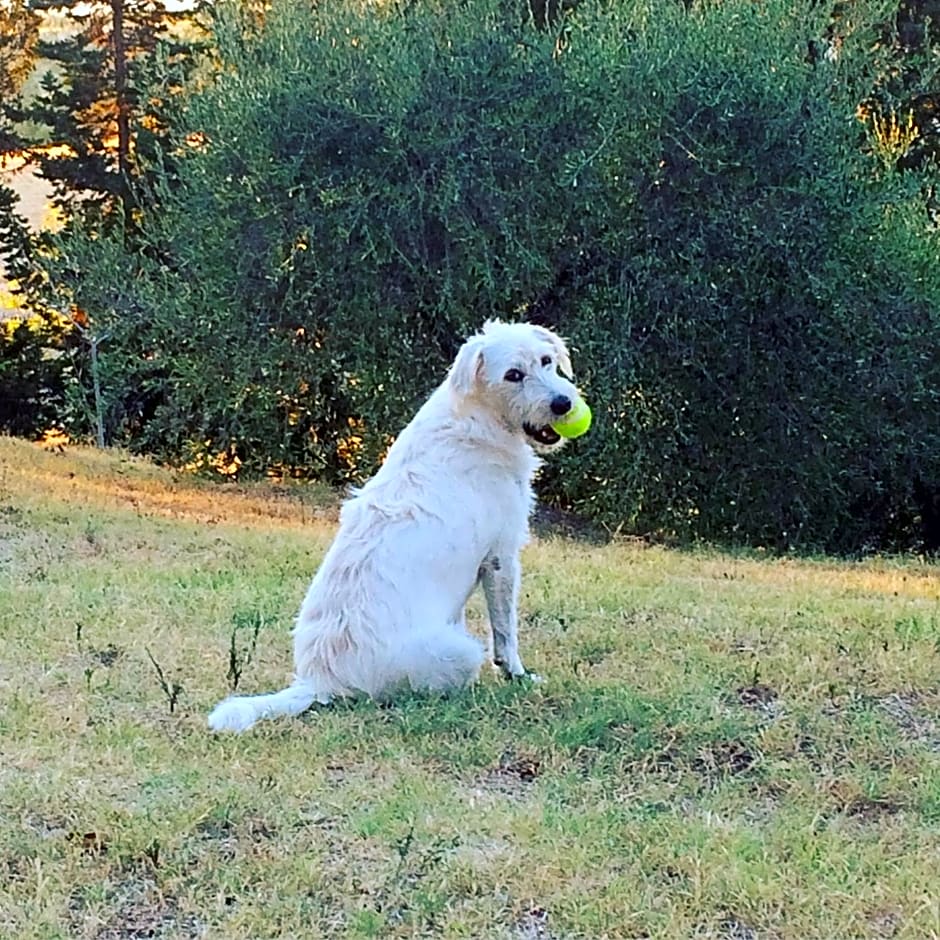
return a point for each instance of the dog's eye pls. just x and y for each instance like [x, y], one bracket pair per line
[546, 360]
[514, 375]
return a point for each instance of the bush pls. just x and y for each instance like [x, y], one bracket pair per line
[35, 372]
[779, 295]
[682, 191]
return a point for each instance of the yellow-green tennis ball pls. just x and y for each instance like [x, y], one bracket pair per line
[576, 422]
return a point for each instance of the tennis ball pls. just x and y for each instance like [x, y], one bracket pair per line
[576, 422]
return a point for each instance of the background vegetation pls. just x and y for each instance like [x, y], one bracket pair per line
[726, 206]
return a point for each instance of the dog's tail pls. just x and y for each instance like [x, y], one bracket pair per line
[240, 712]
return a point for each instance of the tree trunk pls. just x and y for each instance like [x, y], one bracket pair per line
[123, 105]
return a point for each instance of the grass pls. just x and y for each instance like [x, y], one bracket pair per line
[724, 746]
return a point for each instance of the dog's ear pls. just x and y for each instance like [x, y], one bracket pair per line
[561, 350]
[468, 366]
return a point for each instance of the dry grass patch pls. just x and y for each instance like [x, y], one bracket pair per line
[724, 746]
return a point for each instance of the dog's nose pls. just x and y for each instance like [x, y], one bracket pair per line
[561, 405]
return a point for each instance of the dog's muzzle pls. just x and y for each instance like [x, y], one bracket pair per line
[544, 435]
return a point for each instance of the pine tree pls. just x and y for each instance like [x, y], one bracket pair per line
[99, 99]
[100, 122]
[19, 34]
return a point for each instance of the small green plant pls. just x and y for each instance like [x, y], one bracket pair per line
[172, 690]
[240, 656]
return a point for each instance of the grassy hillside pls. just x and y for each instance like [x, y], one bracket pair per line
[723, 747]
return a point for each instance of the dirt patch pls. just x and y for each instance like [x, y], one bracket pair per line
[732, 927]
[89, 842]
[532, 925]
[756, 696]
[864, 808]
[47, 827]
[137, 909]
[729, 926]
[907, 711]
[853, 804]
[723, 759]
[513, 776]
[525, 769]
[711, 762]
[886, 923]
[231, 838]
[107, 656]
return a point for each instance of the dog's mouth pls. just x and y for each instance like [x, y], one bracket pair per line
[545, 435]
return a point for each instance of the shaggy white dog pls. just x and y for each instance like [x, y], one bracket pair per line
[448, 510]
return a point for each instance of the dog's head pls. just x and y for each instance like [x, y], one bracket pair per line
[513, 370]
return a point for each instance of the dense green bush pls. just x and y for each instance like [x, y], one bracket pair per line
[683, 190]
[35, 372]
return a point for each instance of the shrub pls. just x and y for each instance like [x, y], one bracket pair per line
[34, 373]
[681, 190]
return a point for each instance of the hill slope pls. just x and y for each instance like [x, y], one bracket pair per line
[722, 747]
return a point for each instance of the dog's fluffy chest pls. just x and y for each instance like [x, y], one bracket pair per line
[481, 501]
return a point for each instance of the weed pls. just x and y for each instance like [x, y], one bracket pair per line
[171, 690]
[239, 658]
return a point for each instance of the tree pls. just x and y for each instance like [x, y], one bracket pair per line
[19, 34]
[752, 297]
[106, 104]
[97, 100]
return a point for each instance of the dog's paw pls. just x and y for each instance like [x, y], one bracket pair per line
[519, 675]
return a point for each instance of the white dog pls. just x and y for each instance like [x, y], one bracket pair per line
[448, 510]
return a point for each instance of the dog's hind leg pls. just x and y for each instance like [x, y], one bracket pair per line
[441, 660]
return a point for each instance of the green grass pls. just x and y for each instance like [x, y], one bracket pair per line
[724, 746]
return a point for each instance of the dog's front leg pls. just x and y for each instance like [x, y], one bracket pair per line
[500, 576]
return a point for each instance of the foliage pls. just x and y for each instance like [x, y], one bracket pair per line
[278, 236]
[684, 190]
[909, 82]
[96, 102]
[35, 372]
[98, 122]
[780, 296]
[19, 32]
